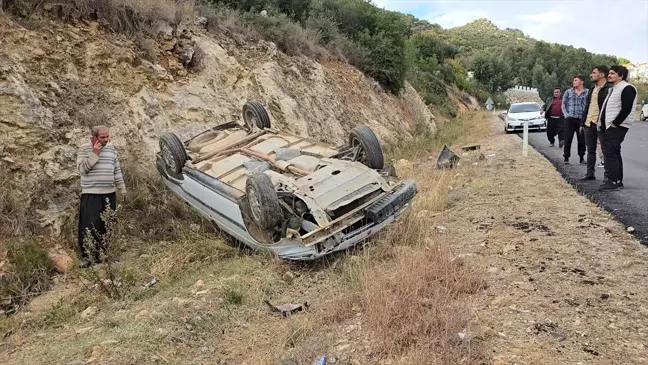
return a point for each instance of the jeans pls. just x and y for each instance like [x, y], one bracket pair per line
[612, 151]
[572, 125]
[555, 126]
[591, 138]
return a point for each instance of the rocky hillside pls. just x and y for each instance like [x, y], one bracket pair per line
[57, 80]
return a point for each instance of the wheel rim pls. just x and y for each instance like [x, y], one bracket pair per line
[255, 206]
[362, 155]
[251, 118]
[168, 157]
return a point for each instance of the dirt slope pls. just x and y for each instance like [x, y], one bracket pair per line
[56, 80]
[565, 279]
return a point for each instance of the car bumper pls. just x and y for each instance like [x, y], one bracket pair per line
[376, 217]
[532, 127]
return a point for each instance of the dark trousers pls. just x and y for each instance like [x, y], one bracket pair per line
[90, 210]
[591, 136]
[555, 126]
[572, 125]
[612, 152]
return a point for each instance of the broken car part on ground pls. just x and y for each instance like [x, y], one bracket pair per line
[299, 198]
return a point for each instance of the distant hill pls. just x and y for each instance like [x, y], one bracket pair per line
[501, 58]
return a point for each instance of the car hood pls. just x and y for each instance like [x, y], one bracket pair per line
[525, 116]
[340, 183]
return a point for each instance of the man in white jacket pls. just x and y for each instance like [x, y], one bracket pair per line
[617, 116]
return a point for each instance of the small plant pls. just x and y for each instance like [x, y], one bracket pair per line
[29, 274]
[60, 312]
[234, 293]
[113, 280]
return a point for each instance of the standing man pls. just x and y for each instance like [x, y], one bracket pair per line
[573, 107]
[595, 98]
[555, 121]
[101, 174]
[617, 117]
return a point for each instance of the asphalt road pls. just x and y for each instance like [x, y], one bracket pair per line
[629, 205]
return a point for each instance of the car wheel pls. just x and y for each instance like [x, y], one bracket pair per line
[263, 200]
[642, 117]
[255, 115]
[173, 153]
[370, 153]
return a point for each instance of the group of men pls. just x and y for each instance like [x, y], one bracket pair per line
[598, 116]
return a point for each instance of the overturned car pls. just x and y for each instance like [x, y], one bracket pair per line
[271, 190]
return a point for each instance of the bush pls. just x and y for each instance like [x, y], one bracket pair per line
[29, 273]
[290, 37]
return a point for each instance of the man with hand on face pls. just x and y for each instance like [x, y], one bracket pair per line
[573, 106]
[595, 98]
[617, 116]
[101, 175]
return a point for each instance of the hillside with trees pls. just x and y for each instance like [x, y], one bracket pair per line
[501, 58]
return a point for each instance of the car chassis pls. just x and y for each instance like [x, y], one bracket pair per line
[271, 190]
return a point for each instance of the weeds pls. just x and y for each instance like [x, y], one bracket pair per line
[234, 293]
[60, 313]
[29, 274]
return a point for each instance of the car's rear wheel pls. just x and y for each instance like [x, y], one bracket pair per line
[642, 117]
[370, 153]
[255, 115]
[263, 201]
[173, 153]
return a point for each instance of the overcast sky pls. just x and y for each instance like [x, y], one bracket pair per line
[617, 27]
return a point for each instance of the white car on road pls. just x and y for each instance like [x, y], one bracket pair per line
[519, 113]
[644, 111]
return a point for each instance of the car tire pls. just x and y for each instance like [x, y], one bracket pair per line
[642, 117]
[255, 115]
[173, 153]
[371, 154]
[262, 200]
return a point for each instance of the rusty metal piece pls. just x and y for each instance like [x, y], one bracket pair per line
[211, 154]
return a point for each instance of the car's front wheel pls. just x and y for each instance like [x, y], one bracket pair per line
[173, 153]
[263, 201]
[369, 151]
[642, 117]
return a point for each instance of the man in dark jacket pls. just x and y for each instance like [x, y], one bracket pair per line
[555, 121]
[616, 117]
[597, 94]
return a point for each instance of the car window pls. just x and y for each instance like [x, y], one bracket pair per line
[524, 108]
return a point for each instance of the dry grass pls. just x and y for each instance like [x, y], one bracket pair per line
[13, 212]
[412, 291]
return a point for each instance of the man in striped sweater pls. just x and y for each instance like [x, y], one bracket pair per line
[101, 176]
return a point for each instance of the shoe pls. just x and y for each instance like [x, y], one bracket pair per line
[588, 177]
[85, 263]
[608, 186]
[561, 144]
[582, 161]
[551, 145]
[620, 185]
[566, 161]
[600, 165]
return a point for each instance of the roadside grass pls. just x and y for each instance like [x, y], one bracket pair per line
[408, 292]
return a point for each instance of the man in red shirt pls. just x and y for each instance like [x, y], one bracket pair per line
[555, 121]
